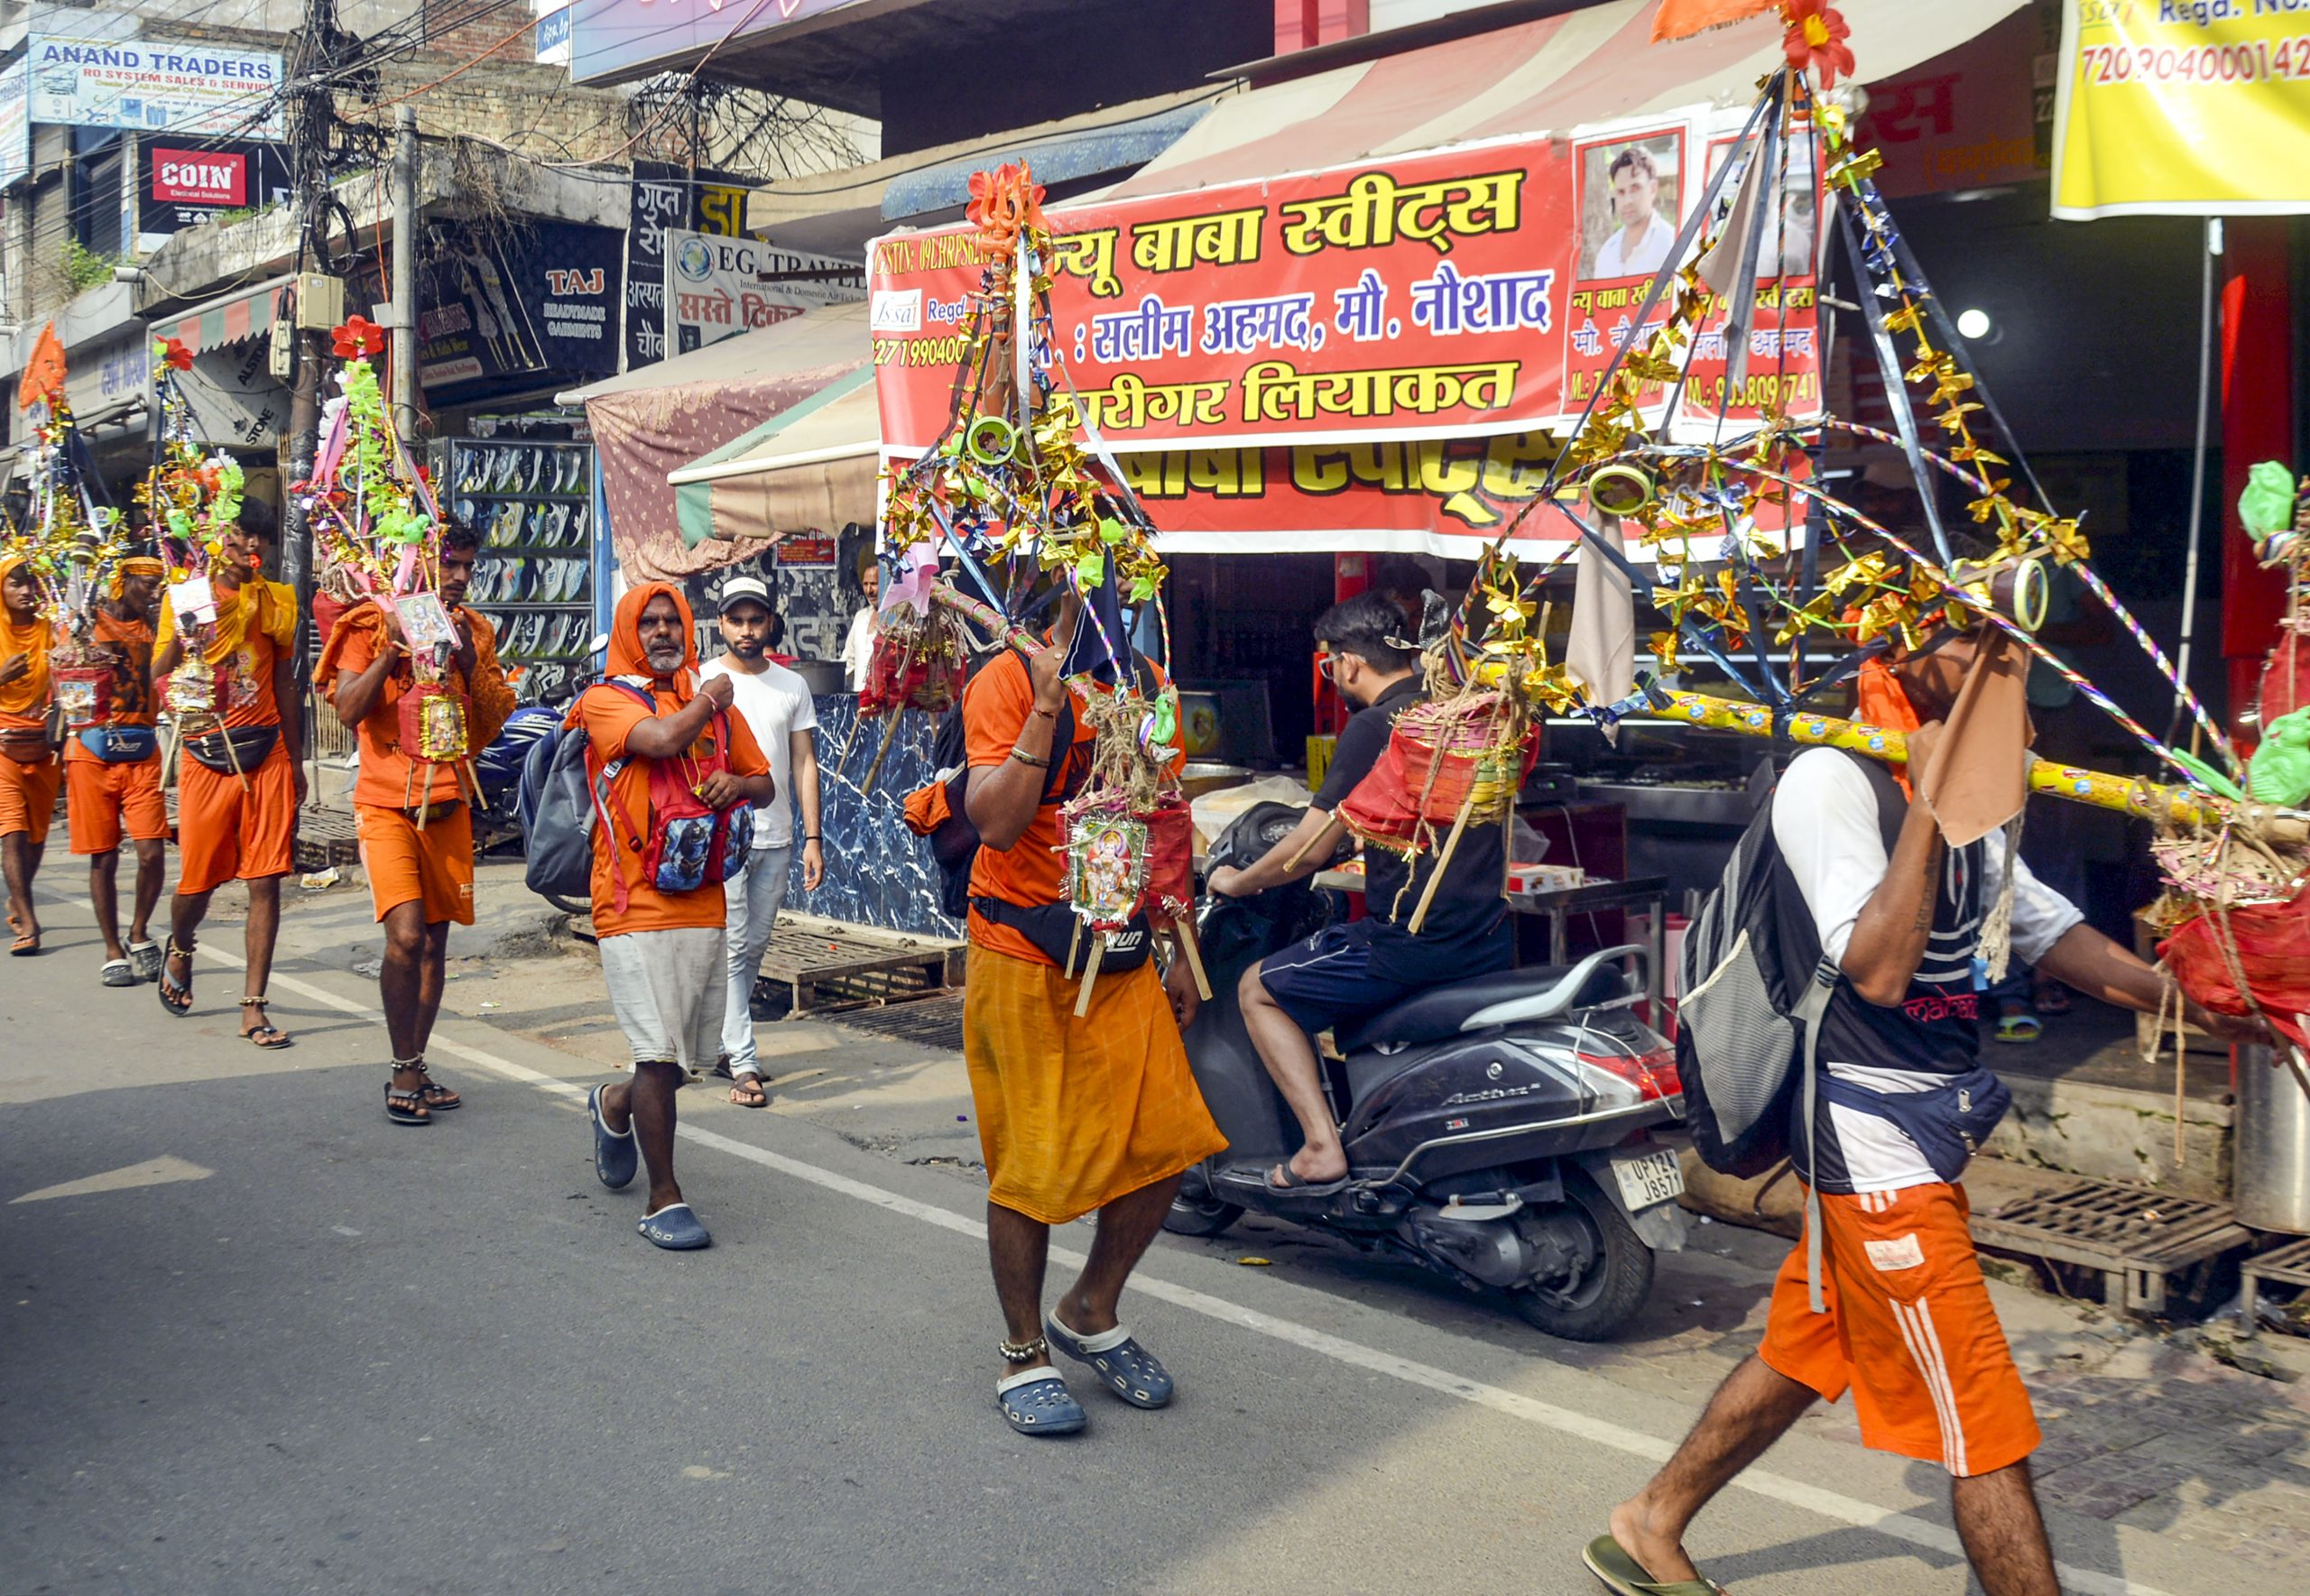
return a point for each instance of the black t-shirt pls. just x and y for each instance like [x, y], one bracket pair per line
[1466, 932]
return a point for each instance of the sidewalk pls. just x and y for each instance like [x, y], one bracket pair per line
[2142, 1429]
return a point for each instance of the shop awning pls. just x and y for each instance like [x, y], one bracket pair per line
[659, 418]
[813, 466]
[1547, 76]
[230, 318]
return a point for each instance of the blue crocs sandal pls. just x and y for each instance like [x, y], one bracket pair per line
[1036, 1402]
[615, 1157]
[675, 1228]
[1129, 1369]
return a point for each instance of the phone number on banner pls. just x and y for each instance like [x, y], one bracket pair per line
[2263, 60]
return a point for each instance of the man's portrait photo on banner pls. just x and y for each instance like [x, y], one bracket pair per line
[1631, 191]
[1791, 244]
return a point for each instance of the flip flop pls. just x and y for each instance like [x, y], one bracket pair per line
[675, 1228]
[752, 1083]
[1293, 1181]
[615, 1157]
[1036, 1402]
[1129, 1369]
[1628, 1577]
[117, 973]
[26, 945]
[181, 1004]
[146, 958]
[2019, 1027]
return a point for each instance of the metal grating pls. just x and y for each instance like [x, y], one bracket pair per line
[2136, 1236]
[827, 967]
[931, 1022]
[326, 837]
[2288, 1266]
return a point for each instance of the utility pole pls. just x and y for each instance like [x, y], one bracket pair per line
[404, 290]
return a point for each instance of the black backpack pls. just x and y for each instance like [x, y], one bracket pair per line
[955, 843]
[1754, 987]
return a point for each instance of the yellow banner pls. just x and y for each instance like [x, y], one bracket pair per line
[2182, 107]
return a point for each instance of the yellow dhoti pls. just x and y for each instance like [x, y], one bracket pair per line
[1073, 1113]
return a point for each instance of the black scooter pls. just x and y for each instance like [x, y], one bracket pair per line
[1496, 1129]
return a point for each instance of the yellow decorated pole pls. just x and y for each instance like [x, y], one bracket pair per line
[2150, 800]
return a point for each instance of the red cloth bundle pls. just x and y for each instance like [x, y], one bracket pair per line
[2285, 679]
[898, 677]
[1171, 861]
[433, 724]
[85, 693]
[2272, 951]
[1425, 778]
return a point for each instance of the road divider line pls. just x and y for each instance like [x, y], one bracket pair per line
[1832, 1505]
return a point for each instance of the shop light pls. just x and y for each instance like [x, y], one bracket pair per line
[1973, 324]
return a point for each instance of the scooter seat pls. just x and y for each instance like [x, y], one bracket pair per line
[1439, 1011]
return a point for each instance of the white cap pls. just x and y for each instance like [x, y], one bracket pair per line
[742, 587]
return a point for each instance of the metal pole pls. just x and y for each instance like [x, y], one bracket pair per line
[2198, 477]
[405, 331]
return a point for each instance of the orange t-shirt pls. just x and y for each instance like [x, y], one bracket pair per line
[131, 644]
[388, 778]
[265, 614]
[1030, 871]
[609, 715]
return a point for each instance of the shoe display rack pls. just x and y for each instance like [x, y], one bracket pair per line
[532, 502]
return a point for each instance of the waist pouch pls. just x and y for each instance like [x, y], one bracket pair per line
[1052, 928]
[121, 745]
[236, 749]
[1948, 1123]
[27, 745]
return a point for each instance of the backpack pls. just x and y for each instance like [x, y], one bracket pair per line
[555, 805]
[954, 841]
[1755, 986]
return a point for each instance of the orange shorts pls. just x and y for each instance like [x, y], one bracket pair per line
[433, 867]
[28, 797]
[99, 796]
[225, 833]
[1909, 1329]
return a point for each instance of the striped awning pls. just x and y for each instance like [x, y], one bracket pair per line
[230, 318]
[1579, 68]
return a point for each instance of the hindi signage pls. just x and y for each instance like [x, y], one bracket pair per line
[717, 287]
[15, 123]
[1464, 294]
[154, 85]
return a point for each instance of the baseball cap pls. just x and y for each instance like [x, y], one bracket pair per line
[742, 587]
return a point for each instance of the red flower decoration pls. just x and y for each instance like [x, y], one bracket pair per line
[360, 337]
[1004, 200]
[174, 354]
[1816, 41]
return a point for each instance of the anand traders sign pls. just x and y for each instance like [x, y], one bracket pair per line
[617, 38]
[154, 85]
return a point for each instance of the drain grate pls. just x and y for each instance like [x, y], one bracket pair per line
[932, 1022]
[2137, 1237]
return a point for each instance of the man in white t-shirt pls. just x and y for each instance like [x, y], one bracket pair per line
[1641, 246]
[858, 646]
[776, 704]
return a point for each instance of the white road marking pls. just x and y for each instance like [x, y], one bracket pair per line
[1831, 1505]
[161, 1171]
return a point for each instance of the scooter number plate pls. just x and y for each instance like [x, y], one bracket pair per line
[1648, 1178]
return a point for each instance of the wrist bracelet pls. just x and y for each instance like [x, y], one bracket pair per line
[1024, 758]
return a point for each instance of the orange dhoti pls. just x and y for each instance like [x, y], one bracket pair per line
[432, 867]
[101, 800]
[1073, 1113]
[227, 830]
[28, 796]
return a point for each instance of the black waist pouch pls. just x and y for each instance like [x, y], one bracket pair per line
[233, 750]
[1052, 928]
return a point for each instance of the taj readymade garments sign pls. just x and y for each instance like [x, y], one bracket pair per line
[153, 84]
[1466, 294]
[2193, 108]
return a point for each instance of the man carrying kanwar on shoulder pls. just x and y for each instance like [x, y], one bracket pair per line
[111, 775]
[242, 781]
[674, 775]
[416, 833]
[1891, 1302]
[29, 773]
[1075, 1113]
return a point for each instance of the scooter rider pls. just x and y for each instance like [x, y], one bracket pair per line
[1346, 971]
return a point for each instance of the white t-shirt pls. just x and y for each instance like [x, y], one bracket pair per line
[1618, 259]
[776, 704]
[858, 648]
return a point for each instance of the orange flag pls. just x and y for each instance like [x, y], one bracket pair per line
[1681, 19]
[44, 375]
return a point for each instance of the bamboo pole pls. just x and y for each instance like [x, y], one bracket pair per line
[2149, 800]
[1183, 928]
[1443, 860]
[1090, 975]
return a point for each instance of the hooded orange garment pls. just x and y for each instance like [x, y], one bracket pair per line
[390, 778]
[255, 625]
[24, 701]
[609, 715]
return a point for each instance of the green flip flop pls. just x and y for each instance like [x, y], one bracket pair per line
[1628, 1577]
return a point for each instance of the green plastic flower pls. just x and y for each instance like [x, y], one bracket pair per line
[2266, 505]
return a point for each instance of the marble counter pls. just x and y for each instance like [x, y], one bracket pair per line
[878, 872]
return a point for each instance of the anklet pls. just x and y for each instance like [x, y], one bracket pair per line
[1024, 1351]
